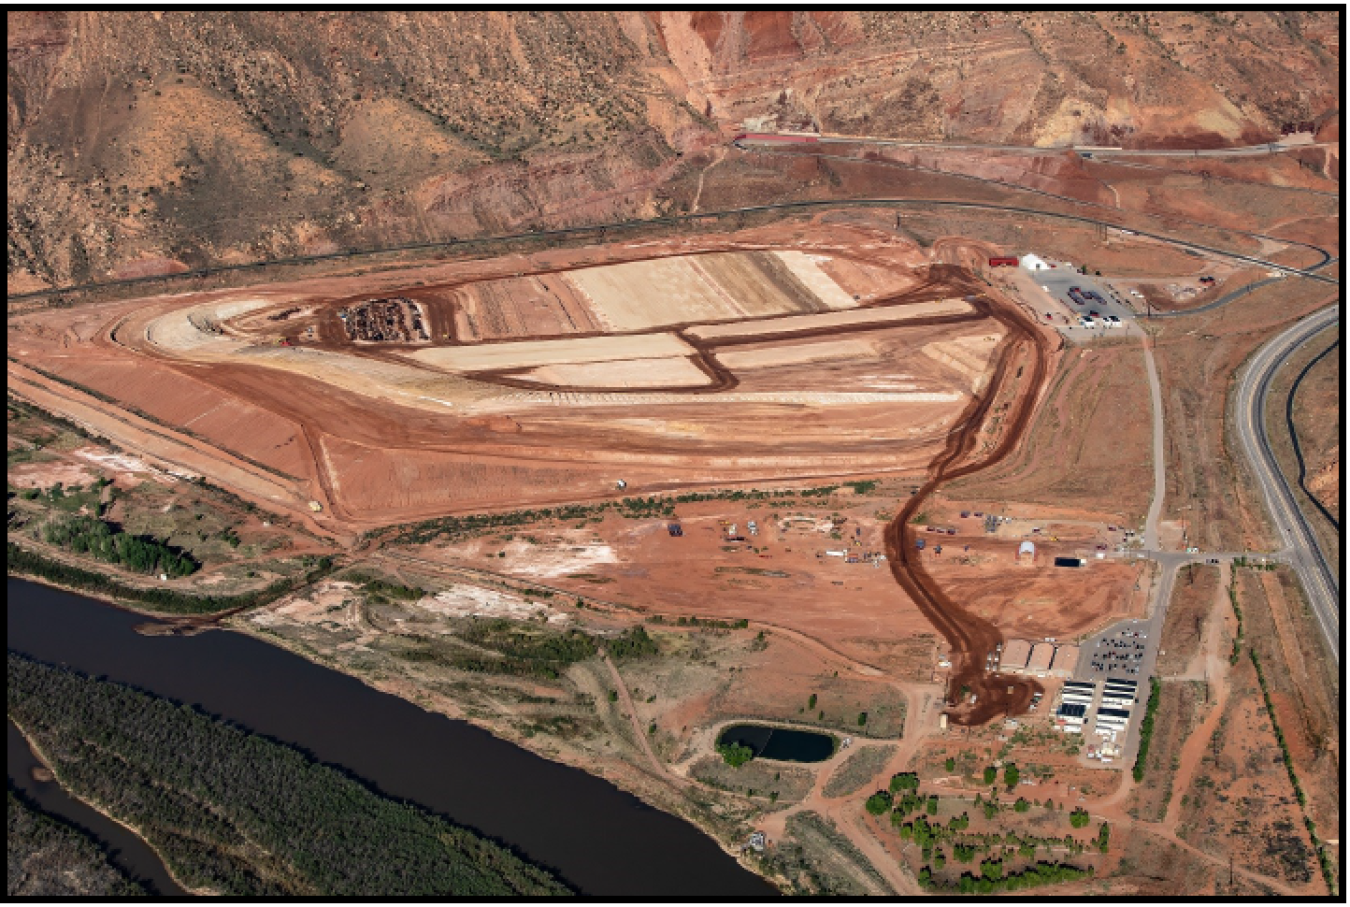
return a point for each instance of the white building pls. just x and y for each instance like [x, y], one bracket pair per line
[1034, 263]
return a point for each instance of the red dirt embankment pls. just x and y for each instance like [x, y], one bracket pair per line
[971, 637]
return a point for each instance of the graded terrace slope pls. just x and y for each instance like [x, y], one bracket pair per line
[394, 426]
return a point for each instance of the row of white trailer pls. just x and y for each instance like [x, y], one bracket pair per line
[1113, 712]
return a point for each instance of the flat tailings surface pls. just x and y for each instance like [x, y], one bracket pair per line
[972, 638]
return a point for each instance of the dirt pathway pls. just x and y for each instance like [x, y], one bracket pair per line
[639, 732]
[1216, 674]
[850, 822]
[970, 637]
[718, 153]
[1159, 453]
[1276, 884]
[846, 810]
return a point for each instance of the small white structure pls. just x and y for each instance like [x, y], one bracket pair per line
[1034, 263]
[1026, 552]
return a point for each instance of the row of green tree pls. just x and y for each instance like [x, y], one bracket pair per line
[108, 543]
[22, 562]
[1146, 727]
[1012, 775]
[474, 524]
[1328, 872]
[709, 622]
[244, 815]
[993, 878]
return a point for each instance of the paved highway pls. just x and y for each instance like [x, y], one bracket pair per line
[1093, 150]
[1239, 292]
[1319, 583]
[1244, 151]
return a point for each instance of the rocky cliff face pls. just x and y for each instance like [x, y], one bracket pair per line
[145, 141]
[1017, 78]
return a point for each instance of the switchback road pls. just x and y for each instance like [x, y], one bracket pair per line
[1249, 422]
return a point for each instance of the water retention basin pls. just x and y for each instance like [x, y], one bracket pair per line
[779, 743]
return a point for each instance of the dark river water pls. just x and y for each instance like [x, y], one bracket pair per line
[125, 849]
[600, 839]
[779, 743]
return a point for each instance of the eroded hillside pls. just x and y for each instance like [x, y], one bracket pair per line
[152, 142]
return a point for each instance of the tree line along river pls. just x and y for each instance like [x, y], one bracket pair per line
[599, 839]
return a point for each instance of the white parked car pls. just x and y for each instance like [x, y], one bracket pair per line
[1113, 322]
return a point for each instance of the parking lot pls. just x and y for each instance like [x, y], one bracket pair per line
[1100, 299]
[1118, 652]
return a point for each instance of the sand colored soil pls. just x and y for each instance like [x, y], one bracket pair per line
[806, 323]
[170, 396]
[389, 438]
[541, 305]
[1033, 607]
[968, 355]
[1182, 706]
[1192, 601]
[1242, 767]
[464, 600]
[811, 271]
[1090, 443]
[748, 357]
[531, 353]
[45, 475]
[665, 371]
[700, 288]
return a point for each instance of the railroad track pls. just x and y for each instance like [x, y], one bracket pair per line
[670, 220]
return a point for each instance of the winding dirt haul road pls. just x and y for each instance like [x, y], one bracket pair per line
[971, 637]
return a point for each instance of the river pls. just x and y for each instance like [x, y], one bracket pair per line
[125, 849]
[600, 839]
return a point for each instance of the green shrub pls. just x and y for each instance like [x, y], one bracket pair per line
[879, 803]
[735, 755]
